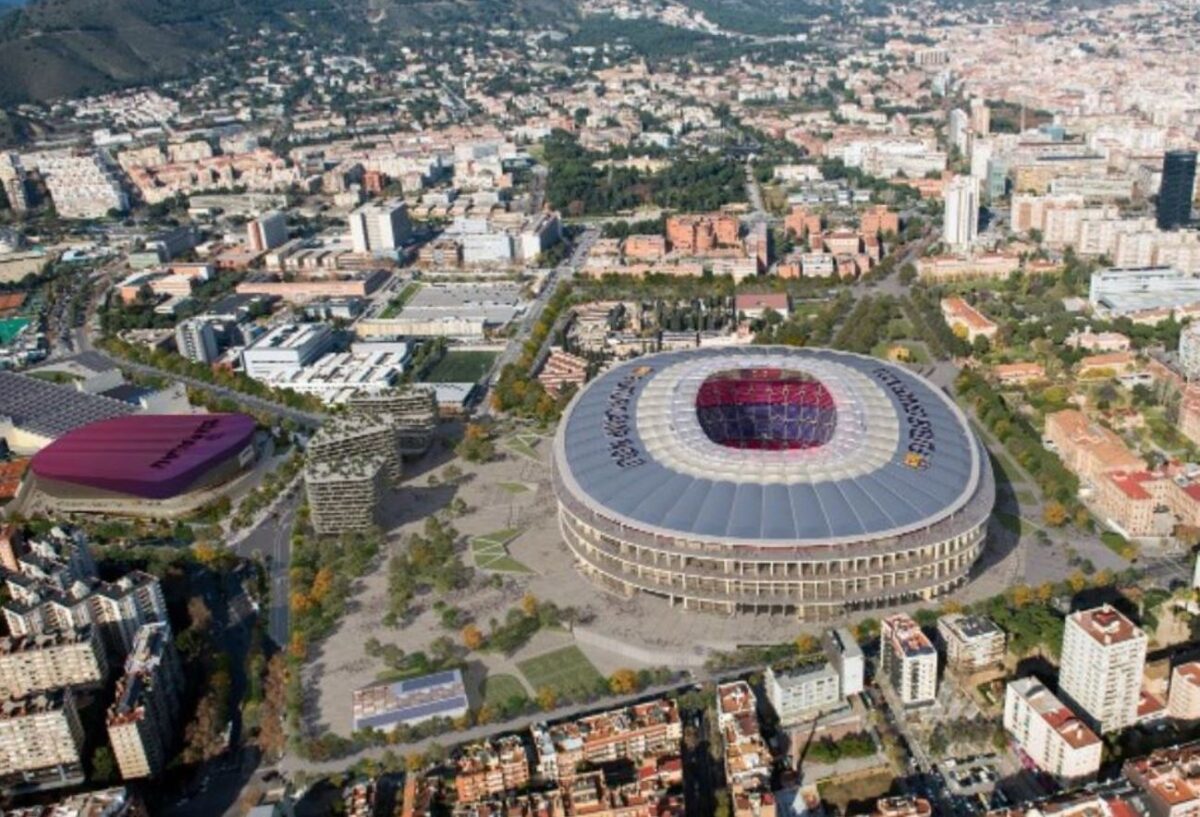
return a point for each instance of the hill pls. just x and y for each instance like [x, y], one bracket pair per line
[60, 48]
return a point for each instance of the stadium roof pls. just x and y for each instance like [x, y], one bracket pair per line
[894, 455]
[154, 456]
[50, 410]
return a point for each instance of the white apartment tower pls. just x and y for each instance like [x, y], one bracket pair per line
[1103, 662]
[960, 220]
[908, 659]
[379, 228]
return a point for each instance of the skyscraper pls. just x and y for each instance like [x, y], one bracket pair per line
[1178, 184]
[960, 221]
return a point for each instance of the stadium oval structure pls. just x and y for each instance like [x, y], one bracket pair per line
[140, 461]
[762, 479]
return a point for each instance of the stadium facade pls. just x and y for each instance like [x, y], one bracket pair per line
[144, 464]
[780, 480]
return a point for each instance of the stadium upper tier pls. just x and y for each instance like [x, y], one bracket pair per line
[677, 466]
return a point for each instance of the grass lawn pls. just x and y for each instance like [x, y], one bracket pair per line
[1025, 497]
[491, 552]
[567, 671]
[514, 487]
[461, 367]
[523, 444]
[498, 690]
[396, 304]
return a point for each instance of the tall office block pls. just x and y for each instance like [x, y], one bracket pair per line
[960, 220]
[379, 228]
[1103, 662]
[1178, 185]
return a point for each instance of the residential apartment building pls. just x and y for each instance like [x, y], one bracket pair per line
[1049, 733]
[847, 658]
[143, 718]
[345, 496]
[267, 232]
[82, 185]
[908, 660]
[358, 436]
[1103, 663]
[46, 661]
[635, 732]
[1167, 777]
[972, 643]
[1183, 700]
[411, 411]
[13, 181]
[747, 756]
[803, 693]
[196, 339]
[562, 369]
[39, 733]
[116, 609]
[492, 768]
[960, 218]
[380, 228]
[699, 234]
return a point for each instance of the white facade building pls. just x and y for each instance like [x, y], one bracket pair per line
[267, 232]
[196, 340]
[803, 694]
[81, 185]
[285, 349]
[1103, 663]
[1049, 733]
[379, 228]
[960, 220]
[908, 660]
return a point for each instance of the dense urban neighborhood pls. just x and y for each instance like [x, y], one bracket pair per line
[599, 408]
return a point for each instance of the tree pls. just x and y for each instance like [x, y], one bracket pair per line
[547, 698]
[1054, 514]
[806, 644]
[623, 682]
[104, 765]
[529, 605]
[472, 637]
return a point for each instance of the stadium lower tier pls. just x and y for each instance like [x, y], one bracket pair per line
[814, 583]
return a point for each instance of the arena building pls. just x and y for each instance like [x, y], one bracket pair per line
[780, 480]
[145, 464]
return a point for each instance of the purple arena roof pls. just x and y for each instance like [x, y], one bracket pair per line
[153, 456]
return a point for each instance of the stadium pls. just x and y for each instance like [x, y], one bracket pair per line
[144, 464]
[771, 480]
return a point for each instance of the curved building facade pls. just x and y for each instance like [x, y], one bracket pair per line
[780, 480]
[144, 463]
